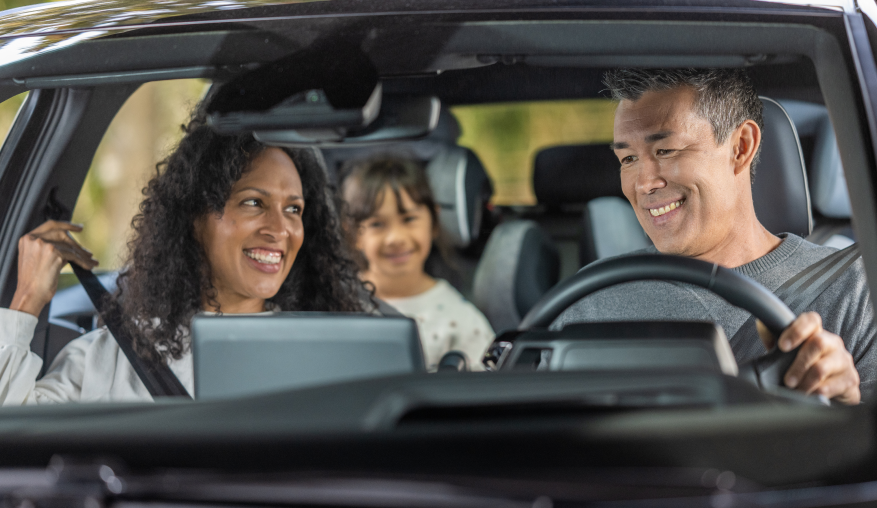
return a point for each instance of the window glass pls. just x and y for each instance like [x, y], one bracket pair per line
[143, 133]
[8, 110]
[507, 137]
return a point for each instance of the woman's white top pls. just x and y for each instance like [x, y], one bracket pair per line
[447, 322]
[91, 368]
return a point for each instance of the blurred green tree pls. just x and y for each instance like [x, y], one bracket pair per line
[508, 136]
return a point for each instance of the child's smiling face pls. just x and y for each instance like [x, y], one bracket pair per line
[397, 238]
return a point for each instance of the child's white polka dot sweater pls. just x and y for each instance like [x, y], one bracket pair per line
[447, 322]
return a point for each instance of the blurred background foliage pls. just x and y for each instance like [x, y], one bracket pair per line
[12, 4]
[505, 136]
[142, 134]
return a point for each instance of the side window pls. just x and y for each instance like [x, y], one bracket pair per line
[507, 137]
[144, 132]
[8, 111]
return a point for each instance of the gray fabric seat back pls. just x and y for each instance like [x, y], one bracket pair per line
[519, 265]
[828, 186]
[779, 191]
[456, 175]
[462, 189]
[588, 174]
[610, 228]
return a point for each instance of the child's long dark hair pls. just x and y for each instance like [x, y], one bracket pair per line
[362, 189]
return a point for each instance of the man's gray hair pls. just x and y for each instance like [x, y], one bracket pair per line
[725, 97]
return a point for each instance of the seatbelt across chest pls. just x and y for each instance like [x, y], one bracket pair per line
[805, 287]
[158, 378]
[800, 291]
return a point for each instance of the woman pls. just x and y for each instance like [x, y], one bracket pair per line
[228, 225]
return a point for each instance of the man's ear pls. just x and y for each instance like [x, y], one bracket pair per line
[746, 140]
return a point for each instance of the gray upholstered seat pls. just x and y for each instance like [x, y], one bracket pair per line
[462, 189]
[611, 229]
[588, 175]
[520, 263]
[828, 187]
[780, 192]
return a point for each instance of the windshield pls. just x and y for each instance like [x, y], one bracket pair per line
[300, 222]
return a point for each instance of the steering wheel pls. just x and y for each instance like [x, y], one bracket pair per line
[766, 372]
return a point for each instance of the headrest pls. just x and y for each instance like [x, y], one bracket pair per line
[447, 129]
[462, 189]
[445, 134]
[828, 186]
[575, 174]
[779, 192]
[580, 173]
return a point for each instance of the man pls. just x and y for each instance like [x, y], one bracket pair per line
[688, 141]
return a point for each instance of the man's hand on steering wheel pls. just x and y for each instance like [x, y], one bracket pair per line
[823, 365]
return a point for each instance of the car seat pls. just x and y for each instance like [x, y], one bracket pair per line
[828, 187]
[522, 259]
[780, 191]
[462, 189]
[520, 264]
[459, 183]
[610, 227]
[608, 223]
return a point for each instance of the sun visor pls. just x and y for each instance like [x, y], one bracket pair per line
[324, 86]
[326, 95]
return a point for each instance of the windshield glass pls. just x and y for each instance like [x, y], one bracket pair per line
[336, 252]
[299, 221]
[507, 137]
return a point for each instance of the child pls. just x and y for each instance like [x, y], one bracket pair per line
[394, 217]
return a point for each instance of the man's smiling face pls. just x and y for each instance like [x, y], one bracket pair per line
[681, 183]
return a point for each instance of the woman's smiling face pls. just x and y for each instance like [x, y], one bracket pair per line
[251, 247]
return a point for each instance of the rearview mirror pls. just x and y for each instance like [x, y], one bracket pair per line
[309, 110]
[400, 117]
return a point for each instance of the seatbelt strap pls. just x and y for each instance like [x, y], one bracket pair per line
[157, 377]
[805, 287]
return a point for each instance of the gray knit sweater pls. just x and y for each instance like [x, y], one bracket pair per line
[845, 306]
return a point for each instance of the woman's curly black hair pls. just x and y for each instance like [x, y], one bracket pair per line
[167, 277]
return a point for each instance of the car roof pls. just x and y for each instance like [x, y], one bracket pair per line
[566, 45]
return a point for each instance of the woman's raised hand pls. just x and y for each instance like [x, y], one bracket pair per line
[41, 255]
